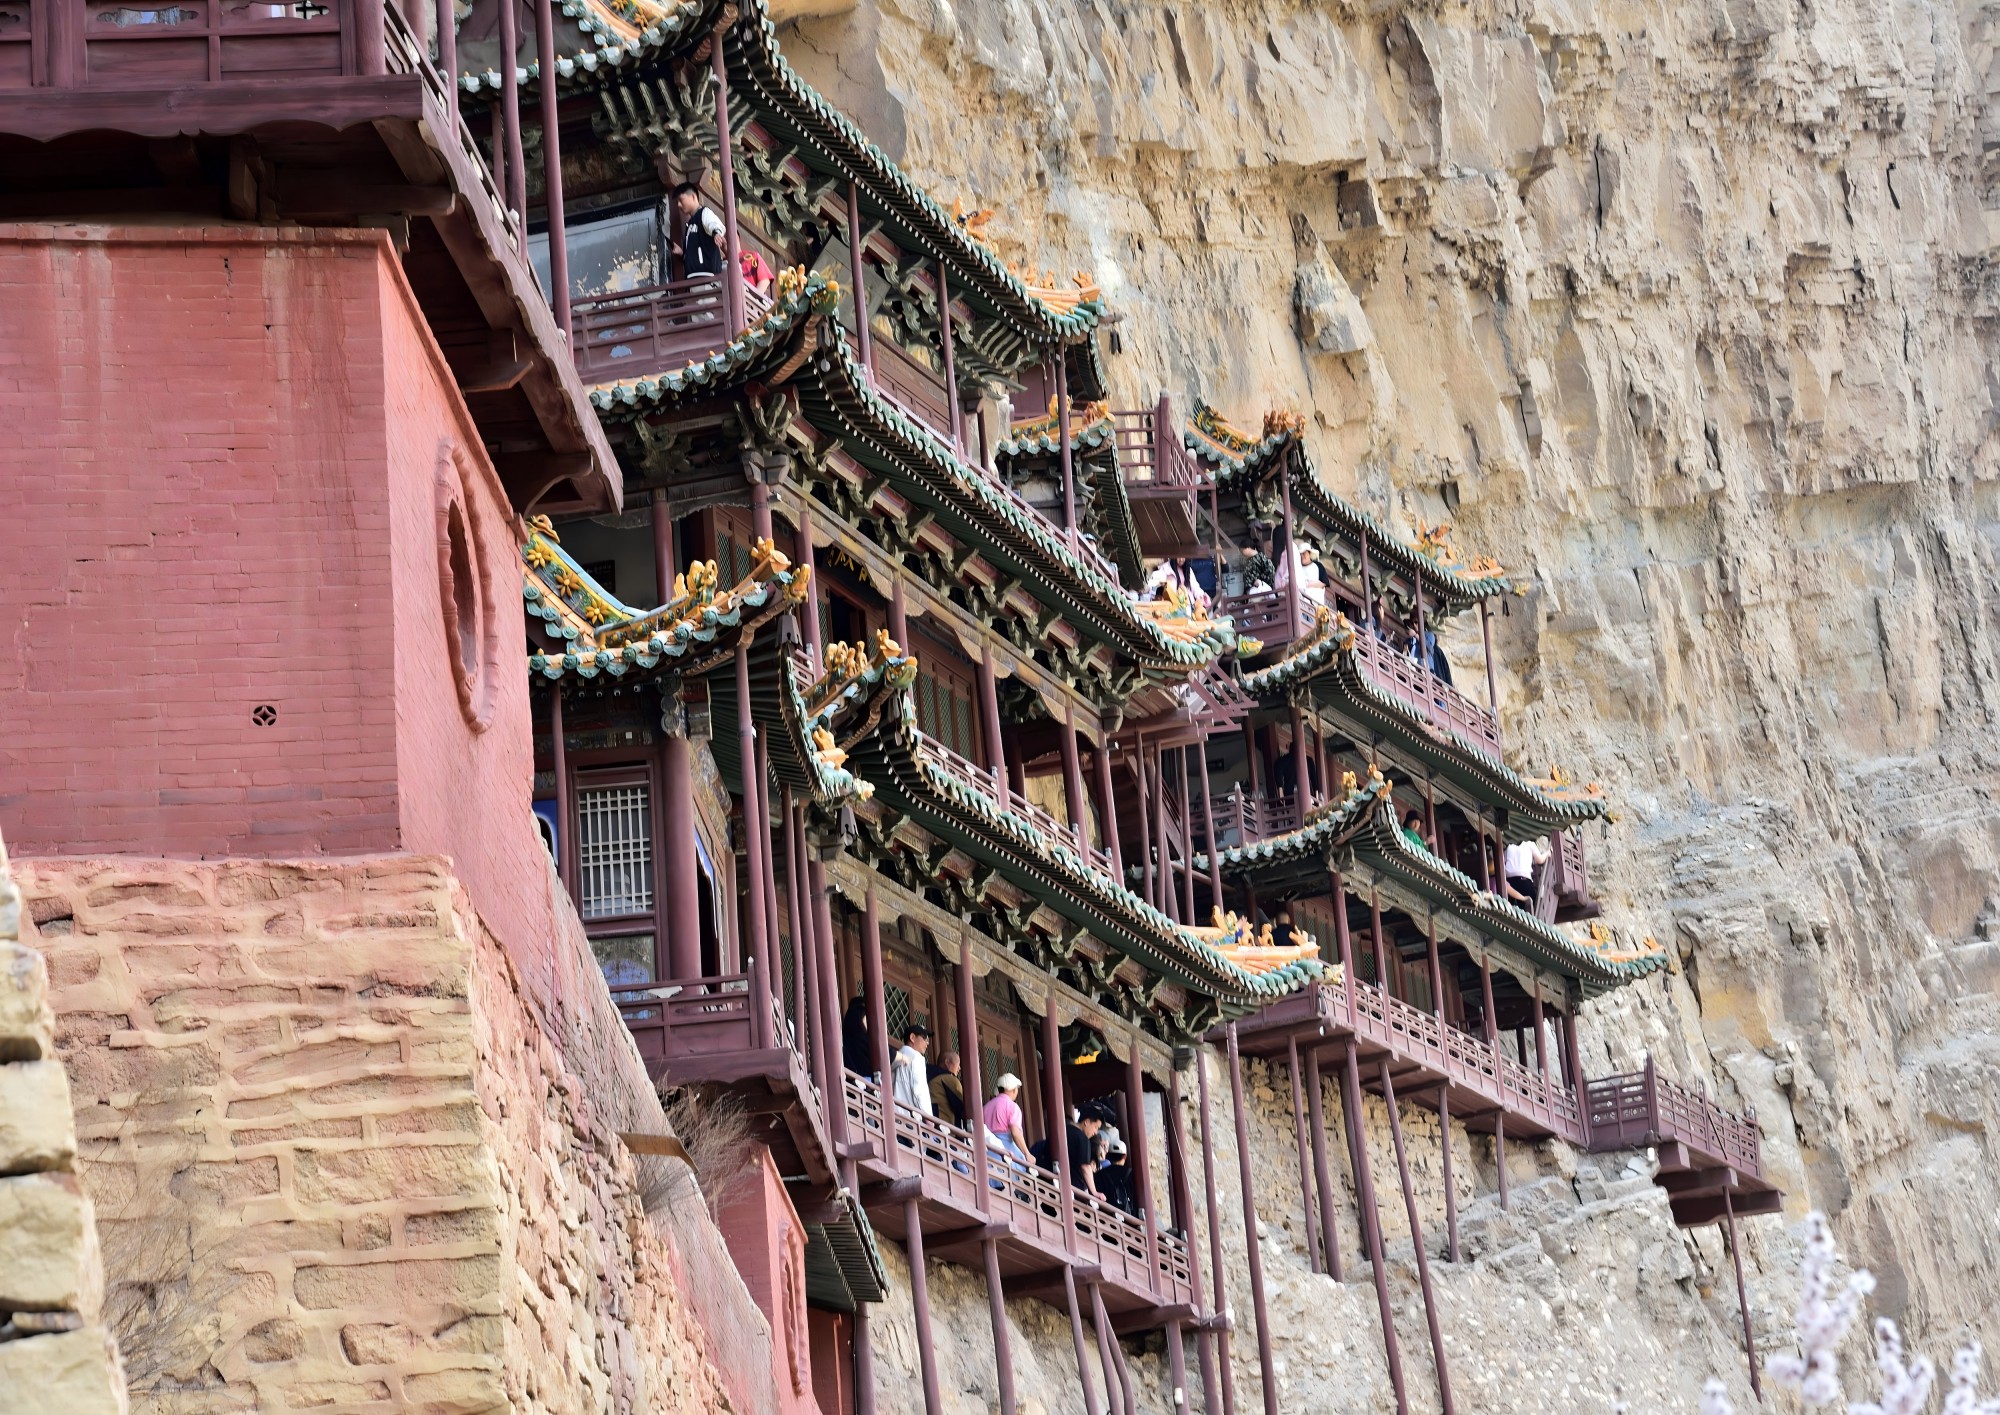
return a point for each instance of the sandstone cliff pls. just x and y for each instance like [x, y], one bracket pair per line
[1688, 313]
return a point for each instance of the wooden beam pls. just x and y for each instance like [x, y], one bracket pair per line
[56, 205]
[305, 192]
[334, 103]
[664, 1145]
[888, 1192]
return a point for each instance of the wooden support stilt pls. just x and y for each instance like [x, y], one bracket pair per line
[1742, 1296]
[1177, 1366]
[1090, 1405]
[1227, 1379]
[1371, 1221]
[1116, 1378]
[1177, 1150]
[1450, 1188]
[1003, 1347]
[1500, 1154]
[1266, 1364]
[864, 1359]
[1322, 1172]
[920, 1298]
[1308, 1188]
[1417, 1241]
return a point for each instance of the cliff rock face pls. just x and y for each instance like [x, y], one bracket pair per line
[1688, 313]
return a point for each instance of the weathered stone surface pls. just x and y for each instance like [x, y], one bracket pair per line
[37, 1130]
[27, 1031]
[75, 1373]
[48, 1246]
[339, 1168]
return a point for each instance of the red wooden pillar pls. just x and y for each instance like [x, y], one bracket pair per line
[1266, 1366]
[1371, 1218]
[1417, 1240]
[732, 278]
[1308, 1188]
[920, 1299]
[516, 190]
[1208, 815]
[447, 49]
[1541, 1039]
[1385, 967]
[1437, 969]
[1300, 781]
[1344, 937]
[956, 413]
[756, 844]
[1139, 1158]
[1221, 1313]
[1079, 813]
[864, 338]
[552, 179]
[878, 1022]
[1063, 443]
[1187, 836]
[677, 837]
[1492, 683]
[566, 822]
[1293, 570]
[1322, 1172]
[1056, 1117]
[1107, 807]
[1742, 1295]
[975, 1090]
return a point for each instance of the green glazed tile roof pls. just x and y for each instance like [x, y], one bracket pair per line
[1094, 455]
[621, 37]
[605, 636]
[1055, 873]
[1238, 460]
[837, 394]
[1324, 663]
[1364, 823]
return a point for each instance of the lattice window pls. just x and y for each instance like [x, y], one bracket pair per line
[903, 1011]
[625, 959]
[614, 851]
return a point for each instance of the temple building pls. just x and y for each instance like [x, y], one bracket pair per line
[923, 742]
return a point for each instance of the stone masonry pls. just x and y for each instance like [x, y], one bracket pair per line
[55, 1353]
[341, 1161]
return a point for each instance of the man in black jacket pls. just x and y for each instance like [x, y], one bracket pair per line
[696, 234]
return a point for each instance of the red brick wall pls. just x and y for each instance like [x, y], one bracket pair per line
[225, 451]
[768, 1243]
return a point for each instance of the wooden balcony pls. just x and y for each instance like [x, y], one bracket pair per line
[654, 329]
[996, 790]
[1163, 482]
[698, 1031]
[1141, 1275]
[1705, 1151]
[1427, 1056]
[1266, 615]
[1429, 696]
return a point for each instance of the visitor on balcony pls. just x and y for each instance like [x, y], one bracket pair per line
[947, 1091]
[697, 234]
[1522, 863]
[1116, 1180]
[1078, 1139]
[1285, 774]
[1422, 645]
[1303, 561]
[1413, 829]
[757, 276]
[1281, 927]
[857, 1046]
[1003, 1121]
[912, 1079]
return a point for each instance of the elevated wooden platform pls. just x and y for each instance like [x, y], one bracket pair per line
[1711, 1162]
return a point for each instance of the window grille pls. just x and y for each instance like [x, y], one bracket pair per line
[614, 851]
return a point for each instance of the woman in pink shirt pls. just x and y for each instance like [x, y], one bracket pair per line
[1002, 1120]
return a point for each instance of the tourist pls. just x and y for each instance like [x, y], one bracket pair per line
[757, 276]
[1413, 829]
[1519, 864]
[695, 233]
[857, 1045]
[912, 1085]
[1281, 929]
[1078, 1138]
[947, 1091]
[1002, 1119]
[1117, 1182]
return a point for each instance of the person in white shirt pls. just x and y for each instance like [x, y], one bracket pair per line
[912, 1086]
[1519, 862]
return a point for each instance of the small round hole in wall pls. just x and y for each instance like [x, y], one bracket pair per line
[264, 715]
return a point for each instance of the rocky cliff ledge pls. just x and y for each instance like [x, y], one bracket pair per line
[1688, 313]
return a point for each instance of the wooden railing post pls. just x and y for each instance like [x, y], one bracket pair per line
[371, 48]
[1652, 1102]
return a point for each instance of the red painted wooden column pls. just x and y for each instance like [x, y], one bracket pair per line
[566, 823]
[1371, 1220]
[1110, 1355]
[1437, 969]
[1308, 1186]
[1450, 1188]
[1322, 1171]
[982, 1166]
[805, 1000]
[732, 277]
[516, 190]
[920, 1299]
[955, 414]
[552, 179]
[1385, 969]
[1140, 783]
[878, 1024]
[1177, 1177]
[1293, 568]
[1063, 444]
[683, 865]
[1301, 779]
[1107, 807]
[989, 710]
[1208, 816]
[1742, 1296]
[859, 272]
[1266, 1367]
[1417, 1240]
[1492, 683]
[757, 946]
[447, 48]
[1541, 1039]
[1055, 1111]
[1222, 1314]
[1140, 1159]
[1079, 812]
[1187, 836]
[1493, 1040]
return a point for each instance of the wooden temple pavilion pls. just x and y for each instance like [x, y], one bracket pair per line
[865, 699]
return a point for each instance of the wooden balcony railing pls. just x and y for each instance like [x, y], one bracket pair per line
[654, 329]
[1440, 704]
[1025, 1197]
[1152, 457]
[694, 1017]
[1264, 614]
[1244, 819]
[1644, 1108]
[982, 780]
[110, 44]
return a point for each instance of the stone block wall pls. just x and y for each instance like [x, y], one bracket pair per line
[343, 1160]
[55, 1354]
